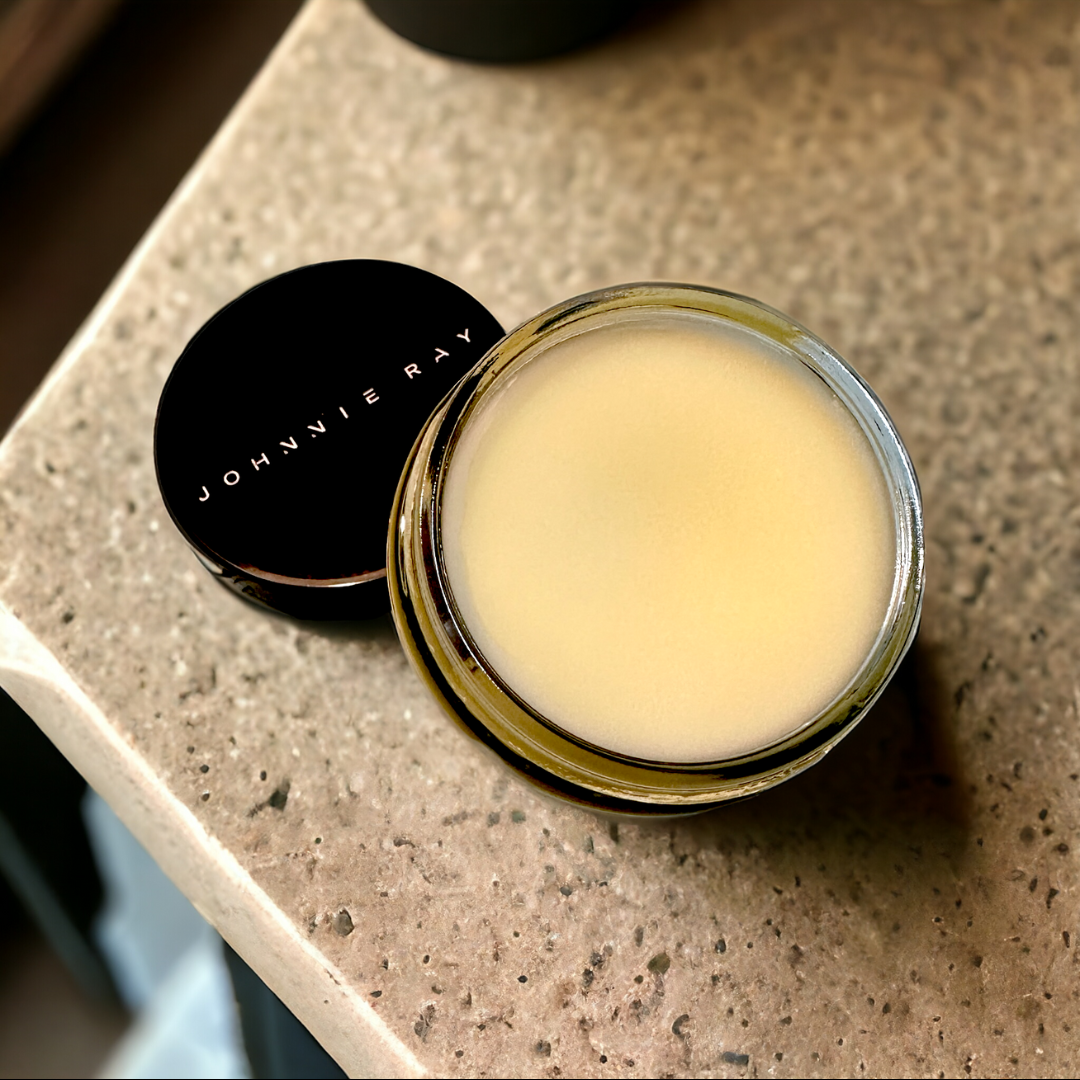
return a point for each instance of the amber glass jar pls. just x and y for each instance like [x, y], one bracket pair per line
[445, 650]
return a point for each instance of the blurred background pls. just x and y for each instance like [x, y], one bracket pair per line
[104, 106]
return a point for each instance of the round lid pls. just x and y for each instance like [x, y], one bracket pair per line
[284, 426]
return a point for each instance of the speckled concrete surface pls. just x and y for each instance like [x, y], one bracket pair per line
[904, 179]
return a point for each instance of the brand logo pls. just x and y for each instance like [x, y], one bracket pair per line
[291, 444]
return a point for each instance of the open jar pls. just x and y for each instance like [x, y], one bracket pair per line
[660, 549]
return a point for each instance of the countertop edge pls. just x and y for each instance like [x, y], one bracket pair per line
[207, 873]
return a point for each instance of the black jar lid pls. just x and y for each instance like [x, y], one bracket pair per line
[284, 426]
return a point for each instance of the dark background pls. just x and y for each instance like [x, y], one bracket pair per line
[86, 172]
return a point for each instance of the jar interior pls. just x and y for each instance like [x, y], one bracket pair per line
[668, 535]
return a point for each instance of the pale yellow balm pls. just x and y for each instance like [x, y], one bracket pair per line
[670, 538]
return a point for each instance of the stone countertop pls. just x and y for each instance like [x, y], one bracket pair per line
[902, 178]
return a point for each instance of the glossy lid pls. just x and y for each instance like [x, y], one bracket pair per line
[284, 426]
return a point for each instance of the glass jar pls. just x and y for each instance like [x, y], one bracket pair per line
[444, 651]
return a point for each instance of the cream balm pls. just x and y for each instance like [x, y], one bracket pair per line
[661, 549]
[670, 538]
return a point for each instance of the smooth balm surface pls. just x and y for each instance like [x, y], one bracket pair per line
[670, 538]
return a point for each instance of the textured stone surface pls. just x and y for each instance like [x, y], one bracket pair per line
[902, 178]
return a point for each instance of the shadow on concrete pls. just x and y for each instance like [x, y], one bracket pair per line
[891, 793]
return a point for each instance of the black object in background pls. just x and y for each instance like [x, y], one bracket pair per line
[498, 31]
[278, 1046]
